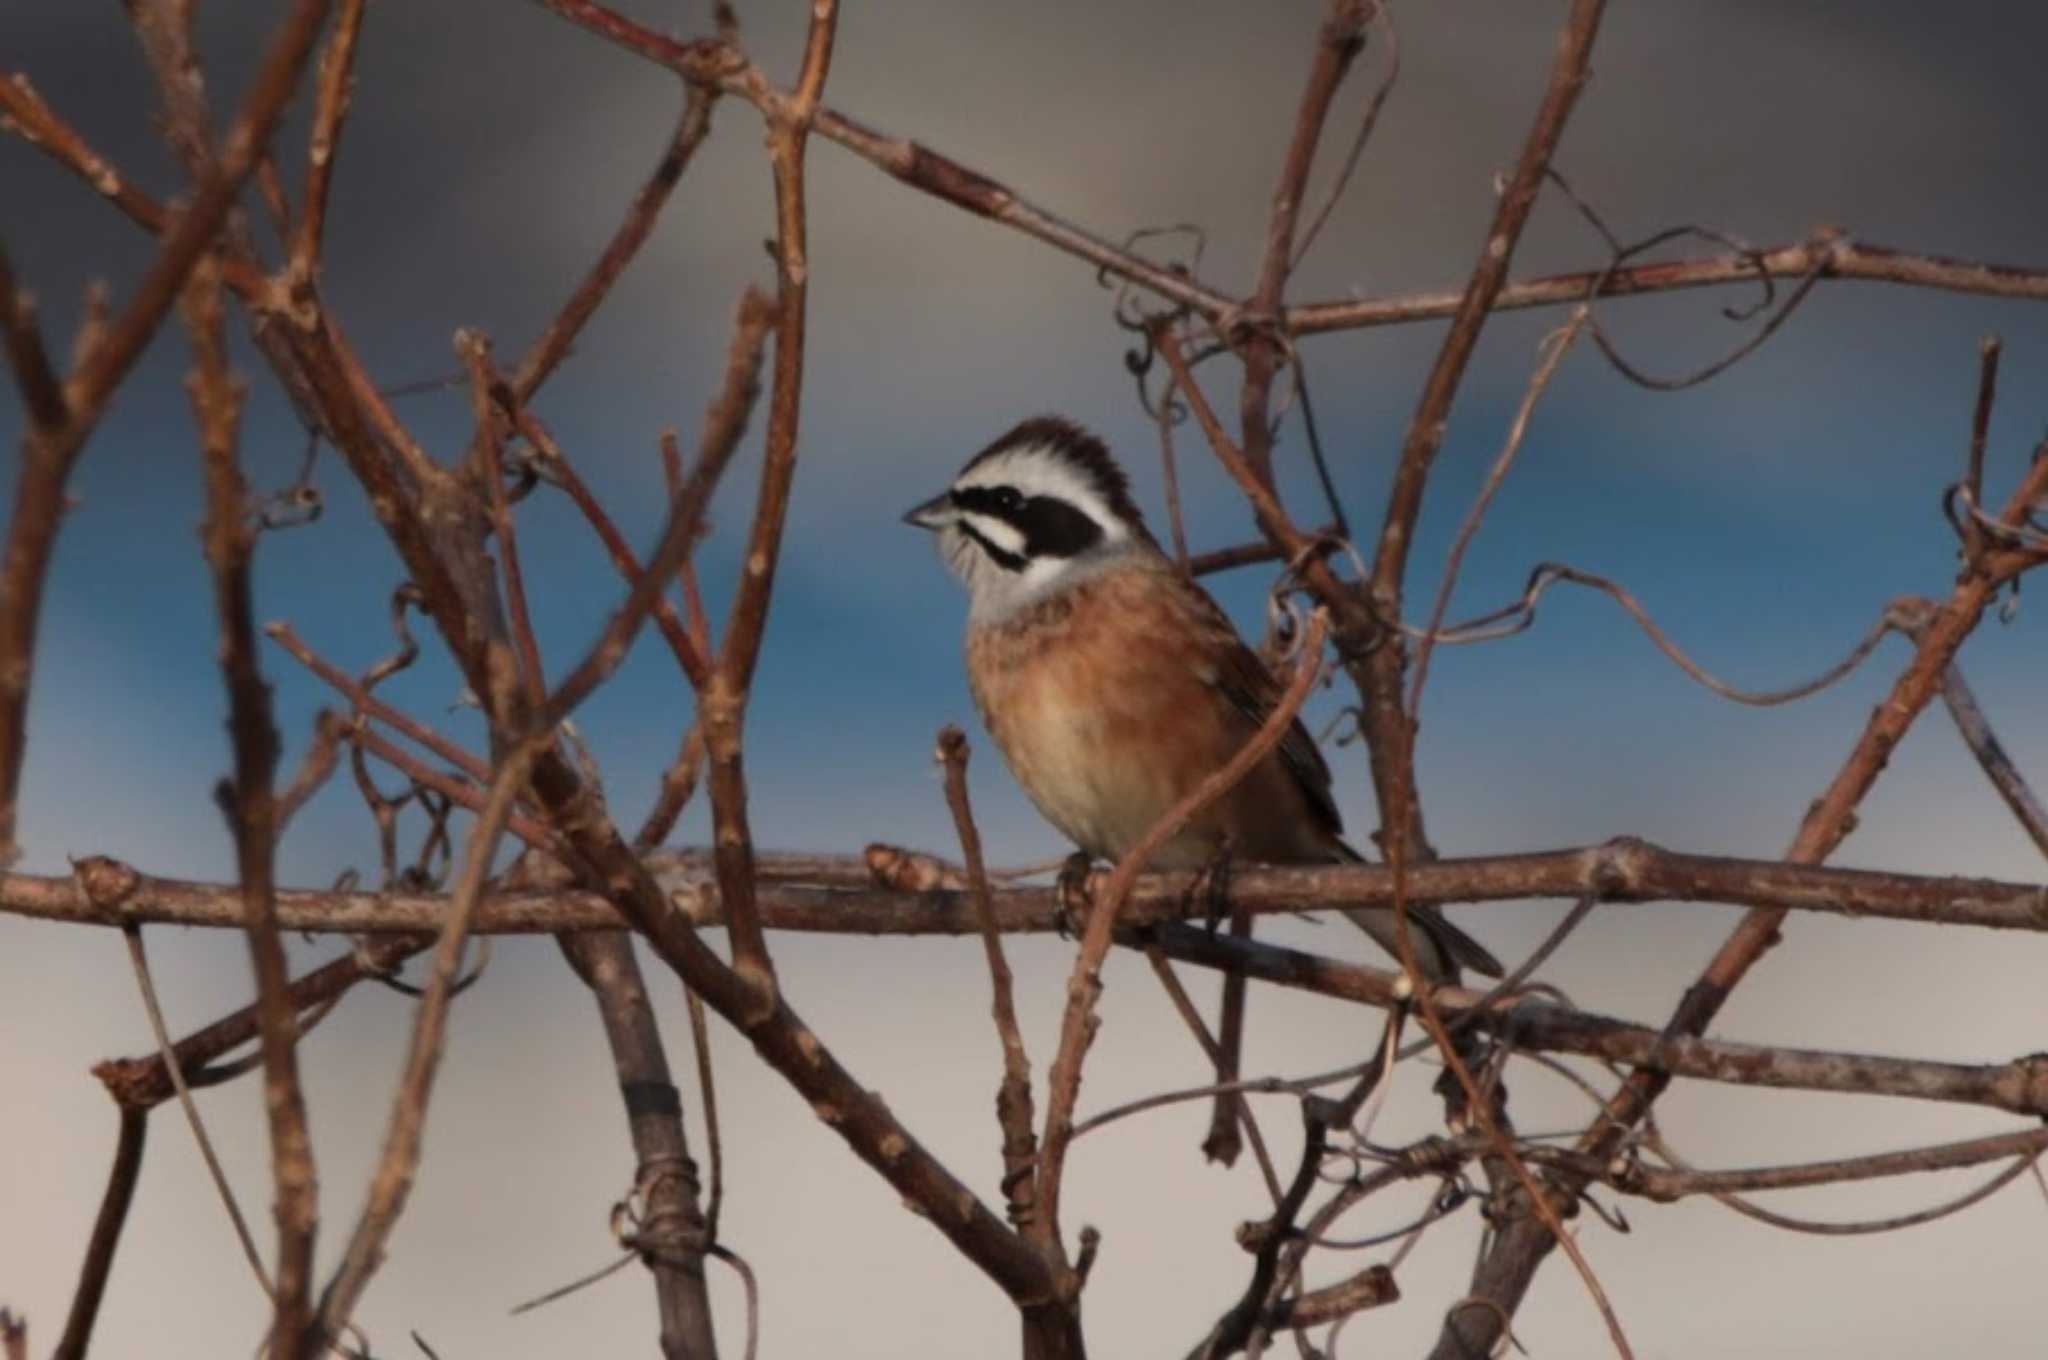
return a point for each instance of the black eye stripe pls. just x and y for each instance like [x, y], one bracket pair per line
[1049, 526]
[1003, 502]
[1053, 528]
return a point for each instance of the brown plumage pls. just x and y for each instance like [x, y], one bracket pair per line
[1114, 685]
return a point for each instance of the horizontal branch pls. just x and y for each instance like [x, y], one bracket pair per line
[2020, 1086]
[839, 895]
[1671, 1183]
[1831, 256]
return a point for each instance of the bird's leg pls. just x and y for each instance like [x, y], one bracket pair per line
[1070, 894]
[1213, 882]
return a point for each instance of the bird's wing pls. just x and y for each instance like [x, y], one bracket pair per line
[1243, 679]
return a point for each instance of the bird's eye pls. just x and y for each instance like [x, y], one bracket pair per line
[1006, 498]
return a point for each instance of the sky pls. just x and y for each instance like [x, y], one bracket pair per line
[1765, 519]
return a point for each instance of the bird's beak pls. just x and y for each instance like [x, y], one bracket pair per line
[935, 513]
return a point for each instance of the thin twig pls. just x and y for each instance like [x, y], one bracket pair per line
[48, 456]
[392, 1180]
[1338, 42]
[1903, 614]
[1184, 1005]
[145, 1082]
[1990, 752]
[1665, 1185]
[464, 793]
[1840, 258]
[336, 84]
[1988, 350]
[1381, 15]
[1555, 346]
[122, 1178]
[474, 349]
[1383, 719]
[722, 704]
[1014, 1113]
[1224, 1140]
[249, 800]
[555, 343]
[365, 702]
[753, 1292]
[691, 653]
[707, 1096]
[724, 425]
[582, 1282]
[1518, 1250]
[146, 984]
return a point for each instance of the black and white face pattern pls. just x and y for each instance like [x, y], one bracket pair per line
[1034, 512]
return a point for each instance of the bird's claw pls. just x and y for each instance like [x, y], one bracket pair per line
[1213, 883]
[1070, 895]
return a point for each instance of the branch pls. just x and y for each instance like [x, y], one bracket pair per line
[106, 1236]
[722, 704]
[1014, 1114]
[1665, 1184]
[1389, 735]
[2019, 1086]
[1990, 752]
[48, 455]
[839, 896]
[1835, 258]
[392, 1181]
[673, 1234]
[144, 1082]
[555, 343]
[335, 86]
[1338, 43]
[715, 64]
[249, 800]
[1505, 1273]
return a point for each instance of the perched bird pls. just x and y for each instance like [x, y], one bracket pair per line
[1114, 684]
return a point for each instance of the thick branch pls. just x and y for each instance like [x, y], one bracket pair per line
[839, 896]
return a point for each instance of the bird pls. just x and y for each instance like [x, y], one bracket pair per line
[1113, 684]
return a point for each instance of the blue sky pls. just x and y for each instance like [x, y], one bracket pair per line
[1765, 519]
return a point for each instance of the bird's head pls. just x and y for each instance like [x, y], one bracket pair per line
[1037, 511]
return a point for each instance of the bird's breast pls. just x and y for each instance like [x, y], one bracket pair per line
[1105, 714]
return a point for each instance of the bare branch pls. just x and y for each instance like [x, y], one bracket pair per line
[1837, 258]
[106, 1236]
[48, 457]
[249, 800]
[1014, 1114]
[1990, 752]
[1388, 733]
[2019, 1086]
[673, 1233]
[145, 1082]
[336, 85]
[722, 704]
[1663, 1184]
[839, 896]
[392, 1180]
[723, 428]
[554, 344]
[1338, 43]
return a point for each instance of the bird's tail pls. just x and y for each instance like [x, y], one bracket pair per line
[1440, 947]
